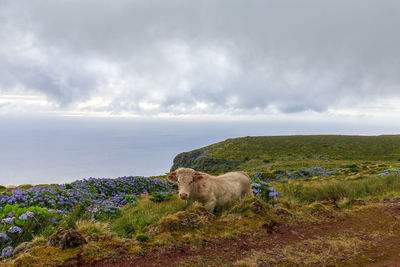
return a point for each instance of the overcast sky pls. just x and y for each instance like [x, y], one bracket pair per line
[217, 58]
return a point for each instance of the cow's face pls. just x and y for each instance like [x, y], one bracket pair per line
[185, 178]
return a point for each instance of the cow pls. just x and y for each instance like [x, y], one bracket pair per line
[214, 192]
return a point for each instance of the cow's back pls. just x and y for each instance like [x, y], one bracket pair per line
[230, 187]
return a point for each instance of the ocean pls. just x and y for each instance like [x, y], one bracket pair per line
[36, 150]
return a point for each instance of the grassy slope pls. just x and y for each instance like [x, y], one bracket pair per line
[267, 153]
[371, 154]
[333, 147]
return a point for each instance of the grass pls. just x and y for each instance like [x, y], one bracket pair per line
[268, 153]
[336, 190]
[317, 147]
[136, 218]
[88, 227]
[359, 158]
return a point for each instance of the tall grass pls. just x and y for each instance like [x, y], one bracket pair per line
[136, 218]
[338, 190]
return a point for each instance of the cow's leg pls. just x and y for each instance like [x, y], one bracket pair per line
[210, 205]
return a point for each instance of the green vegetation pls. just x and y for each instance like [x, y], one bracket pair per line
[303, 193]
[135, 219]
[296, 180]
[160, 197]
[268, 153]
[27, 222]
[317, 147]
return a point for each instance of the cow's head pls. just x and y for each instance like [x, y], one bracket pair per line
[185, 178]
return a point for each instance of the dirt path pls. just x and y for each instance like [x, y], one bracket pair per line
[374, 233]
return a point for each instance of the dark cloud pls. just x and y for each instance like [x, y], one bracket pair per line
[205, 56]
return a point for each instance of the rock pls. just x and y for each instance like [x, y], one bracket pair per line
[24, 246]
[66, 238]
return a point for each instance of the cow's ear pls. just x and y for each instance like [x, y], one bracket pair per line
[197, 176]
[172, 177]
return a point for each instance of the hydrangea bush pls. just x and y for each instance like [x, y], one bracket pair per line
[262, 189]
[19, 224]
[97, 195]
[24, 213]
[389, 171]
[305, 173]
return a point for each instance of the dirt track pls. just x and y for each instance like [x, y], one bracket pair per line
[380, 249]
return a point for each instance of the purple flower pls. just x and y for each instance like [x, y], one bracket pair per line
[30, 214]
[14, 229]
[4, 239]
[7, 251]
[23, 217]
[7, 220]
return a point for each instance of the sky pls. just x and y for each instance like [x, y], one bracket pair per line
[284, 66]
[218, 58]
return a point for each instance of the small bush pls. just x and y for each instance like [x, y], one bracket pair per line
[70, 220]
[262, 189]
[142, 238]
[353, 167]
[89, 227]
[21, 224]
[160, 196]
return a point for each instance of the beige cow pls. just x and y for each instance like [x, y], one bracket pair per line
[215, 192]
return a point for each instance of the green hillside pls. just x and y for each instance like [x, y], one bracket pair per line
[252, 152]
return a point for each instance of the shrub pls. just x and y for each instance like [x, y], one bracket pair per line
[98, 196]
[142, 238]
[160, 196]
[262, 189]
[89, 227]
[21, 224]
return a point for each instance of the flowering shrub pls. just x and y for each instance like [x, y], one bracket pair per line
[26, 213]
[4, 239]
[388, 171]
[96, 195]
[14, 229]
[24, 224]
[306, 172]
[7, 251]
[262, 189]
[7, 220]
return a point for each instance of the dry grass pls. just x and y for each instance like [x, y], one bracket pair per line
[88, 227]
[329, 250]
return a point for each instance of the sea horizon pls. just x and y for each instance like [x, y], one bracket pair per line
[65, 149]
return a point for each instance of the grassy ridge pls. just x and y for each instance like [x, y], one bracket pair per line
[333, 147]
[306, 193]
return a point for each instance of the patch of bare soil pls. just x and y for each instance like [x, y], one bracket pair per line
[383, 251]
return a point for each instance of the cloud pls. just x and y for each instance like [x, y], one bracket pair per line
[224, 57]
